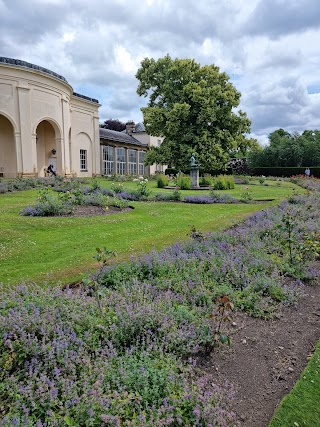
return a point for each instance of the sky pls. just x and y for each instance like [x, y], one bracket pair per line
[269, 49]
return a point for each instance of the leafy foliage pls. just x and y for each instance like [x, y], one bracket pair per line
[192, 107]
[114, 124]
[223, 182]
[183, 181]
[162, 180]
[287, 150]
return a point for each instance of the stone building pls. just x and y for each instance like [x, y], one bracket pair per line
[124, 152]
[42, 122]
[121, 152]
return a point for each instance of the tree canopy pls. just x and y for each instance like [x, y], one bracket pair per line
[113, 124]
[193, 108]
[285, 150]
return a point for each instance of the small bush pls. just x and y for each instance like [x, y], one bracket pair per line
[171, 171]
[206, 180]
[223, 182]
[246, 196]
[184, 182]
[262, 179]
[166, 197]
[213, 198]
[117, 202]
[117, 188]
[162, 180]
[128, 195]
[142, 191]
[222, 198]
[48, 205]
[95, 199]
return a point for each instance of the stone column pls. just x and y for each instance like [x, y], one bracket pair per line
[96, 164]
[17, 138]
[115, 160]
[28, 141]
[60, 156]
[137, 161]
[194, 175]
[65, 148]
[127, 161]
[101, 159]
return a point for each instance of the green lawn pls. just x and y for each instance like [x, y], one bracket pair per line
[274, 190]
[62, 249]
[301, 408]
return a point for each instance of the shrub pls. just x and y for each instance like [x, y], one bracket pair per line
[173, 196]
[223, 182]
[206, 180]
[48, 205]
[242, 180]
[285, 171]
[262, 179]
[117, 202]
[142, 187]
[213, 198]
[184, 182]
[246, 196]
[128, 195]
[95, 199]
[198, 199]
[116, 187]
[222, 198]
[171, 171]
[239, 166]
[162, 180]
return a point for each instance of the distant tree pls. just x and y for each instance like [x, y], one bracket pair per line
[193, 108]
[113, 124]
[287, 149]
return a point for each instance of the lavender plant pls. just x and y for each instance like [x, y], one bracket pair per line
[67, 360]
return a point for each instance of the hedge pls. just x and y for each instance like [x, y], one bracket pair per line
[285, 171]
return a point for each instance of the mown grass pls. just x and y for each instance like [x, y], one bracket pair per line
[273, 190]
[301, 407]
[62, 249]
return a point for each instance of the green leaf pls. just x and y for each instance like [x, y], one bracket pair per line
[69, 421]
[224, 338]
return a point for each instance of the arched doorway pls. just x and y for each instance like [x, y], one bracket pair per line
[48, 151]
[8, 155]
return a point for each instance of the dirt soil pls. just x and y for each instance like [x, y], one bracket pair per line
[266, 358]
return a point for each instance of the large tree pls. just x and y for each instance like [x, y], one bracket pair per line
[194, 109]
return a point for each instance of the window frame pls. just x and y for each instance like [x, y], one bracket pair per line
[83, 160]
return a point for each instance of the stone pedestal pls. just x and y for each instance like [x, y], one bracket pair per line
[194, 175]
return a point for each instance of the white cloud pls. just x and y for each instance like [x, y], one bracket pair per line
[269, 49]
[69, 37]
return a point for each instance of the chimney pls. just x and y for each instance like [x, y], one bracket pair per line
[130, 126]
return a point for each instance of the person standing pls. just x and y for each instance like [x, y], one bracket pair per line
[307, 172]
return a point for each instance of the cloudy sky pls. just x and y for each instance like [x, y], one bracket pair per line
[269, 48]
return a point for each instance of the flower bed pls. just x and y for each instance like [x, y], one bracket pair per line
[66, 360]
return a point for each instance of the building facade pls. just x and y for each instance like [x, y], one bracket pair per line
[43, 122]
[122, 153]
[141, 135]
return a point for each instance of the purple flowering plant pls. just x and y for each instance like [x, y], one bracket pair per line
[67, 361]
